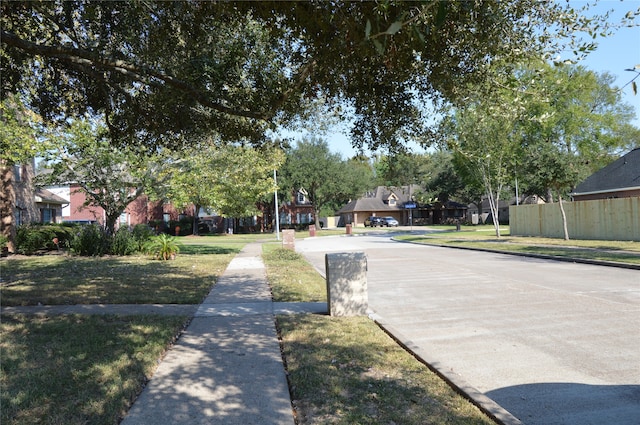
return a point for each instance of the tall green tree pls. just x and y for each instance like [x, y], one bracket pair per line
[485, 148]
[552, 126]
[328, 180]
[110, 177]
[230, 179]
[583, 124]
[161, 71]
[402, 168]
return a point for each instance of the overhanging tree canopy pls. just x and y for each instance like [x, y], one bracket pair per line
[162, 70]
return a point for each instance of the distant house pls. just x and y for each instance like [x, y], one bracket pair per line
[398, 202]
[297, 211]
[32, 204]
[140, 211]
[49, 205]
[620, 179]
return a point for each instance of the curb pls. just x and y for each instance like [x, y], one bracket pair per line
[541, 256]
[484, 403]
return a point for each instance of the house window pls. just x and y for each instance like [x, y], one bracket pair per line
[301, 198]
[47, 215]
[392, 201]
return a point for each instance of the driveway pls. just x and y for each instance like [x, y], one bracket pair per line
[551, 342]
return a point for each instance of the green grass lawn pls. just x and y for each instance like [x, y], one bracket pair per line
[139, 279]
[76, 370]
[82, 369]
[292, 279]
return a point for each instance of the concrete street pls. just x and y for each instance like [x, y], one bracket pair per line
[551, 342]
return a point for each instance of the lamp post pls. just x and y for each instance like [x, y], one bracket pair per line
[275, 181]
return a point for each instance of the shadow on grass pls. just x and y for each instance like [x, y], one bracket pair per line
[78, 369]
[62, 280]
[347, 370]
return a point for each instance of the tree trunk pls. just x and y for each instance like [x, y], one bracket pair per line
[564, 218]
[196, 221]
[316, 216]
[7, 202]
[110, 224]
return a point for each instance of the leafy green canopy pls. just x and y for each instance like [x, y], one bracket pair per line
[161, 70]
[328, 181]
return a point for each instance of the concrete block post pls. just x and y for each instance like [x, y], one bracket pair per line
[289, 239]
[347, 284]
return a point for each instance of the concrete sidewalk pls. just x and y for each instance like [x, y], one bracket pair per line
[227, 366]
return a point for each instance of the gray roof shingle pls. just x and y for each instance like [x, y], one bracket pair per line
[623, 173]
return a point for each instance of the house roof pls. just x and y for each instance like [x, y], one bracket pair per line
[378, 200]
[622, 174]
[43, 196]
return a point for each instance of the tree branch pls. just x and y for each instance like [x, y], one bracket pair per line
[138, 73]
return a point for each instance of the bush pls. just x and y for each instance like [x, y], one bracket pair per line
[91, 240]
[124, 242]
[142, 234]
[32, 238]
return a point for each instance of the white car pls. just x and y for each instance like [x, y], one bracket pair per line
[389, 221]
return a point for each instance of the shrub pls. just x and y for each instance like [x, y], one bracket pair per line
[163, 247]
[32, 238]
[142, 234]
[91, 240]
[124, 242]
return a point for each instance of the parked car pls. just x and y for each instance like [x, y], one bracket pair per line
[373, 221]
[389, 221]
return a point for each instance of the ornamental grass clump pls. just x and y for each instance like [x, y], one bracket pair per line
[163, 247]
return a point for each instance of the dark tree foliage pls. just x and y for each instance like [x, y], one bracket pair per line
[159, 71]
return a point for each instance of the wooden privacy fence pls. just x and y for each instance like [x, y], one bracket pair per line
[604, 219]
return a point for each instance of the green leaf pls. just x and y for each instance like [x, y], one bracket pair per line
[394, 28]
[634, 87]
[367, 29]
[379, 46]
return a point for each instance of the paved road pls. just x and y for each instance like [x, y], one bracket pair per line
[551, 342]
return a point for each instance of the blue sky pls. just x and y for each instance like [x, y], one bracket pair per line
[614, 54]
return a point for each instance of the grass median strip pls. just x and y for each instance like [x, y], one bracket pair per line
[347, 370]
[481, 238]
[291, 277]
[78, 369]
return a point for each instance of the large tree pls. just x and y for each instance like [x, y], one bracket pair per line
[230, 180]
[109, 177]
[328, 180]
[551, 126]
[240, 69]
[583, 124]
